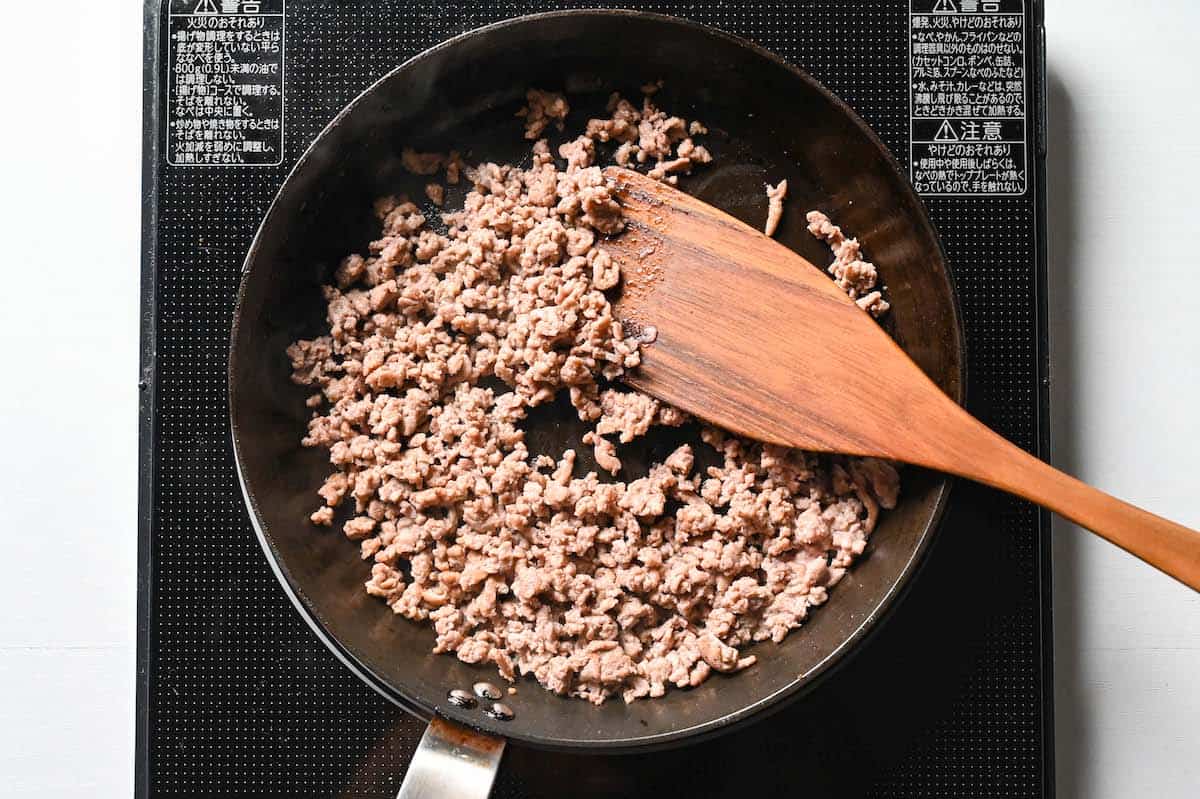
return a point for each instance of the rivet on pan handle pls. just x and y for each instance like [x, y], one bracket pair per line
[453, 762]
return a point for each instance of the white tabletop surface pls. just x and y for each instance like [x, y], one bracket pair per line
[1124, 217]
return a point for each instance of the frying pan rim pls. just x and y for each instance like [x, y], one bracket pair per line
[764, 705]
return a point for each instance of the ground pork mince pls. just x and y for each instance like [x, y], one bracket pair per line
[775, 196]
[856, 277]
[437, 347]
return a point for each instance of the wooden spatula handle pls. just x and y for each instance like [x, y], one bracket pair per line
[988, 458]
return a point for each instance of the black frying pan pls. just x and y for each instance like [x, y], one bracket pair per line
[769, 121]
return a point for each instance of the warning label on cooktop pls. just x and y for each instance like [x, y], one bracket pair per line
[967, 97]
[225, 82]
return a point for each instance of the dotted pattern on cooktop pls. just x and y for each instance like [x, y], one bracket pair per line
[243, 700]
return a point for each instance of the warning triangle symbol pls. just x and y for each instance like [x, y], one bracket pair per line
[945, 7]
[945, 132]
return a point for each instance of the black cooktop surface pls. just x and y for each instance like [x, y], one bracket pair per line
[951, 698]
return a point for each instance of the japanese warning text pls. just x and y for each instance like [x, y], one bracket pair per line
[225, 83]
[967, 97]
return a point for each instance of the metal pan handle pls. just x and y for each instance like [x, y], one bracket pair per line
[452, 762]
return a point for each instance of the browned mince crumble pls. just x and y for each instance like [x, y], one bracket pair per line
[775, 196]
[593, 587]
[856, 277]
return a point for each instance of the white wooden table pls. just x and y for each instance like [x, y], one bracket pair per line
[1125, 216]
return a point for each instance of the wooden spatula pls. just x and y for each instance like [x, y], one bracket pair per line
[752, 337]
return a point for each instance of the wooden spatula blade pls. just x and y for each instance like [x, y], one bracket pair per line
[742, 321]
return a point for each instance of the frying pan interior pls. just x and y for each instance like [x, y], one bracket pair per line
[768, 122]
